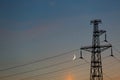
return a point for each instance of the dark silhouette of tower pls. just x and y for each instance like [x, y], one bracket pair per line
[96, 72]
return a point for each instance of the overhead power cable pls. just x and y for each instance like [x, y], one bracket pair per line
[107, 76]
[76, 73]
[57, 70]
[53, 71]
[86, 62]
[116, 50]
[116, 59]
[116, 54]
[37, 69]
[62, 69]
[52, 65]
[36, 61]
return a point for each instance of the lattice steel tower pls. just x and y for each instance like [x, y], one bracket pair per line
[96, 72]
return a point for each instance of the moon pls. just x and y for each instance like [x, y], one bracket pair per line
[74, 57]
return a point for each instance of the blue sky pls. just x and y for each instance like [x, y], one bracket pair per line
[34, 29]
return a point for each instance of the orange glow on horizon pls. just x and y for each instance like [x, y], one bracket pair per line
[69, 77]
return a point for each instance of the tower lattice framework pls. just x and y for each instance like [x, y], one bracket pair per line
[96, 72]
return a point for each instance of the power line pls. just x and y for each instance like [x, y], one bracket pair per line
[36, 61]
[115, 56]
[49, 66]
[107, 76]
[58, 71]
[45, 67]
[116, 50]
[54, 71]
[76, 74]
[116, 59]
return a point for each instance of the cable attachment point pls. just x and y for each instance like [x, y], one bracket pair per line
[81, 54]
[112, 52]
[105, 37]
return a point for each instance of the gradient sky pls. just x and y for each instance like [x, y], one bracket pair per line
[36, 29]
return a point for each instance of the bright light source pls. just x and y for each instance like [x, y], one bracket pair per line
[69, 76]
[74, 57]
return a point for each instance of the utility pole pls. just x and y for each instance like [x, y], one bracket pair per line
[96, 72]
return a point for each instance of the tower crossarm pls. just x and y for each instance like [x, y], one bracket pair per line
[102, 47]
[86, 48]
[101, 32]
[105, 47]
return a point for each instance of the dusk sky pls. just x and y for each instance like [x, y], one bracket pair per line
[32, 30]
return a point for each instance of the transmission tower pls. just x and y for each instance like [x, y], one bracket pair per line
[96, 72]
